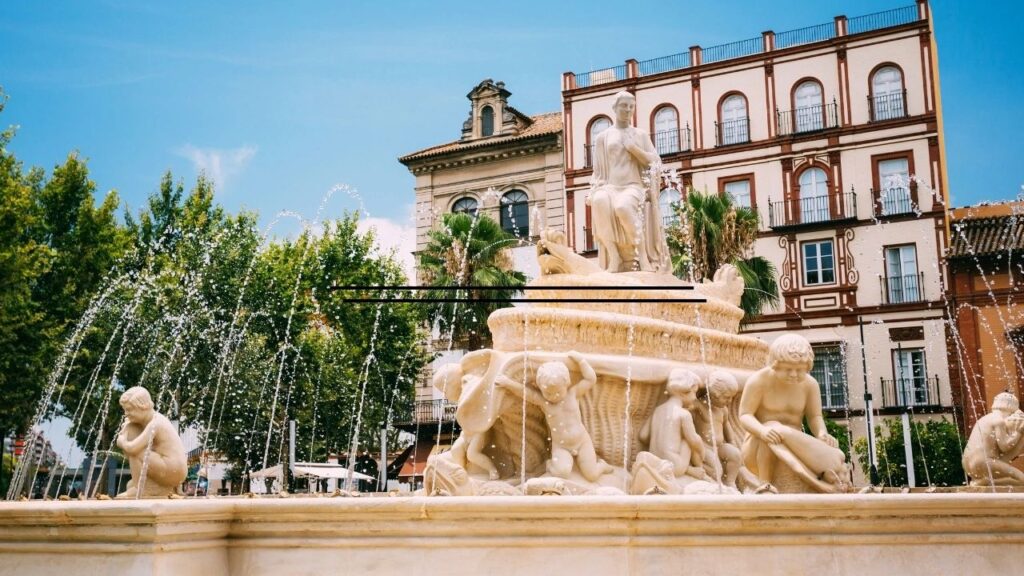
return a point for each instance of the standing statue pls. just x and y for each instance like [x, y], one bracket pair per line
[627, 222]
[154, 450]
[775, 401]
[559, 400]
[996, 440]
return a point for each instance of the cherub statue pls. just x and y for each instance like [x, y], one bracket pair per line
[559, 400]
[775, 401]
[469, 447]
[150, 441]
[994, 443]
[670, 432]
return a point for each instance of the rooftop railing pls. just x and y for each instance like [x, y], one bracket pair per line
[732, 50]
[697, 55]
[664, 64]
[808, 35]
[602, 76]
[879, 20]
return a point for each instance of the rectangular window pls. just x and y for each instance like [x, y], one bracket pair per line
[911, 377]
[739, 191]
[902, 278]
[894, 191]
[819, 263]
[830, 371]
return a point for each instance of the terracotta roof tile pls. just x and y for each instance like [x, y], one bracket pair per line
[543, 124]
[986, 236]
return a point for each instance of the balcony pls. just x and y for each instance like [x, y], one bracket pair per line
[433, 411]
[888, 106]
[922, 392]
[833, 208]
[902, 289]
[668, 142]
[893, 201]
[808, 119]
[732, 132]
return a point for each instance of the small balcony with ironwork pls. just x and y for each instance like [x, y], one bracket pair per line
[669, 142]
[435, 413]
[894, 201]
[808, 119]
[905, 289]
[891, 106]
[816, 210]
[919, 393]
[732, 132]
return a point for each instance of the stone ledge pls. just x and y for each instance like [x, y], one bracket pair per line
[774, 534]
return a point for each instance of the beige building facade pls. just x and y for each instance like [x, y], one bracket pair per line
[832, 134]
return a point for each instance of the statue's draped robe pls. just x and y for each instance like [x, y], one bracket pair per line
[618, 182]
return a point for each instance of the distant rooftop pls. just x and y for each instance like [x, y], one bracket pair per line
[751, 46]
[540, 125]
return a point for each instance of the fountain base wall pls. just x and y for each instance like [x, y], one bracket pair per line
[764, 535]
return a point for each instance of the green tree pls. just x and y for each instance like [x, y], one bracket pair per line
[23, 261]
[712, 231]
[937, 446]
[469, 251]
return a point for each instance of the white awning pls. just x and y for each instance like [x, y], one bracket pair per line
[326, 471]
[271, 472]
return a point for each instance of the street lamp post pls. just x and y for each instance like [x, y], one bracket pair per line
[873, 468]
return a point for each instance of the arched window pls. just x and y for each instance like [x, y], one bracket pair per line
[486, 121]
[666, 130]
[465, 205]
[597, 125]
[887, 94]
[735, 125]
[666, 199]
[814, 196]
[515, 213]
[809, 106]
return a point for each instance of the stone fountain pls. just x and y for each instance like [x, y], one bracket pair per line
[622, 427]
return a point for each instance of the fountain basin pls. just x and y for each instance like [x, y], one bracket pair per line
[962, 533]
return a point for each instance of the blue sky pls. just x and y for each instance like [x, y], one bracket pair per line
[279, 103]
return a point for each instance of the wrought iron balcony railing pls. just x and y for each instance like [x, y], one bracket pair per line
[902, 289]
[888, 106]
[732, 132]
[893, 201]
[808, 119]
[814, 210]
[672, 141]
[910, 392]
[433, 411]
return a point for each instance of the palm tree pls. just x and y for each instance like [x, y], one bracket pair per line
[713, 231]
[469, 251]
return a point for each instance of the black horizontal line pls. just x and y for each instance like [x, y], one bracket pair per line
[427, 288]
[522, 300]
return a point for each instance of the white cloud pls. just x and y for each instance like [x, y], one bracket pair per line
[392, 235]
[219, 164]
